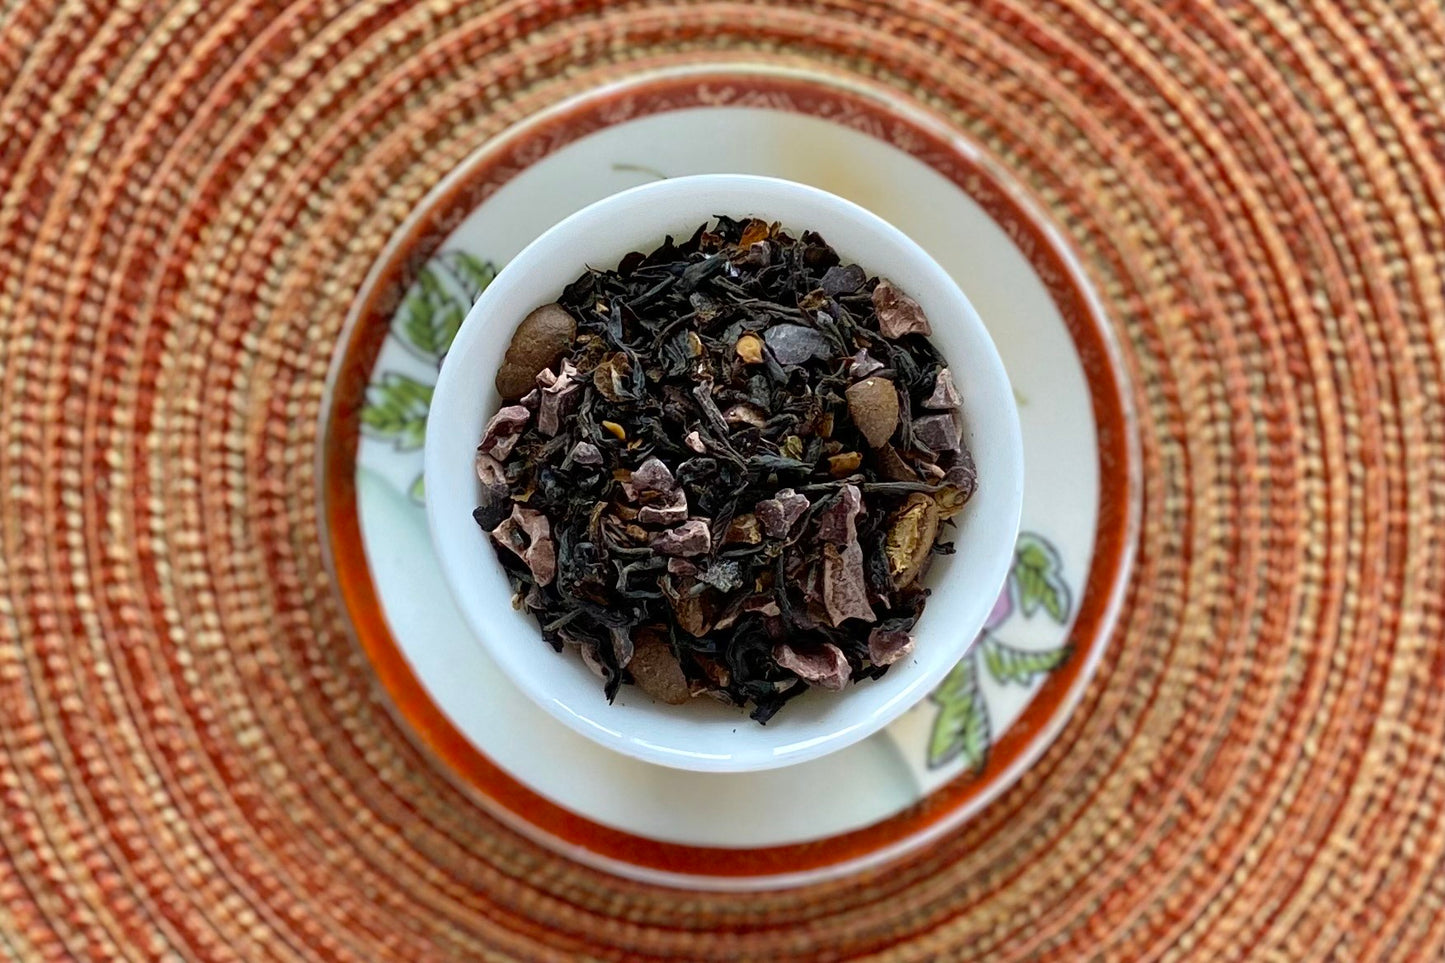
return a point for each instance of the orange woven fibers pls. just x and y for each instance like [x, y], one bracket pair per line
[193, 760]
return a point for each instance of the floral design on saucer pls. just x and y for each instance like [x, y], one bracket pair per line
[963, 727]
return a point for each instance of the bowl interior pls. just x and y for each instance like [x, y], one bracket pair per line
[704, 734]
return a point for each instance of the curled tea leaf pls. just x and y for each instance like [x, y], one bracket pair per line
[746, 414]
[959, 484]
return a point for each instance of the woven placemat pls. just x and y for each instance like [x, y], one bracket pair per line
[194, 759]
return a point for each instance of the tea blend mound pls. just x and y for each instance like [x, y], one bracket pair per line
[722, 468]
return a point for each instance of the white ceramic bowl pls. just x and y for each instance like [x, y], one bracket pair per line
[706, 735]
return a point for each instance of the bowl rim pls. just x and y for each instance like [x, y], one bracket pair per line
[449, 383]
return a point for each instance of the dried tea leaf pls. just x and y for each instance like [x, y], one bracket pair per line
[755, 231]
[959, 484]
[746, 414]
[622, 647]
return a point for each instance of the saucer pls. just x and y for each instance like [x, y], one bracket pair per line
[996, 712]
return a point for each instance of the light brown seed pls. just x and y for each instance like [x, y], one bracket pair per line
[538, 342]
[873, 406]
[657, 672]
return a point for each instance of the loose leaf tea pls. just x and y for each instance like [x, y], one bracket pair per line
[722, 467]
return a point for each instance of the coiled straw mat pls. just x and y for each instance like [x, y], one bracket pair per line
[195, 761]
